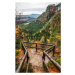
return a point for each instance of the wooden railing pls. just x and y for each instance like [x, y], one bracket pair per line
[45, 53]
[23, 59]
[50, 58]
[37, 46]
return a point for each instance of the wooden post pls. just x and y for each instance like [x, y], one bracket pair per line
[53, 51]
[43, 57]
[27, 57]
[36, 47]
[22, 48]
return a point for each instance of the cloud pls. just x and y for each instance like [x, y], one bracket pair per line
[30, 8]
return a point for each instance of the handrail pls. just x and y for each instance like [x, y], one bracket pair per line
[54, 62]
[36, 45]
[21, 63]
[50, 58]
[23, 59]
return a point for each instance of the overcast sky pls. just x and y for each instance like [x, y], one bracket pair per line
[32, 8]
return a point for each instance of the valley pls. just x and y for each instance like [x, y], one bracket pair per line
[44, 28]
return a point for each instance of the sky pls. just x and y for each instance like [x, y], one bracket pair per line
[31, 8]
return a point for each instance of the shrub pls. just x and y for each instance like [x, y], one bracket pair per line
[52, 39]
[17, 59]
[18, 43]
[30, 68]
[17, 64]
[17, 52]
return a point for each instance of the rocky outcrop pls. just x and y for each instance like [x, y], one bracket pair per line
[52, 9]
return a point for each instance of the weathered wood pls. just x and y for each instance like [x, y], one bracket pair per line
[50, 51]
[43, 57]
[49, 48]
[35, 47]
[27, 65]
[54, 62]
[27, 57]
[53, 51]
[46, 65]
[23, 59]
[23, 45]
[23, 48]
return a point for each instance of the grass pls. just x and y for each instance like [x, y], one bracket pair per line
[51, 65]
[17, 52]
[58, 60]
[17, 59]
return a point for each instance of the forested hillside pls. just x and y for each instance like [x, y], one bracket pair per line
[40, 22]
[52, 30]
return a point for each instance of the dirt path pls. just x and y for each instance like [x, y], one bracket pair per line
[36, 60]
[42, 39]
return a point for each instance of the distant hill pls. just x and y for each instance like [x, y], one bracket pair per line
[34, 15]
[25, 18]
[31, 16]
